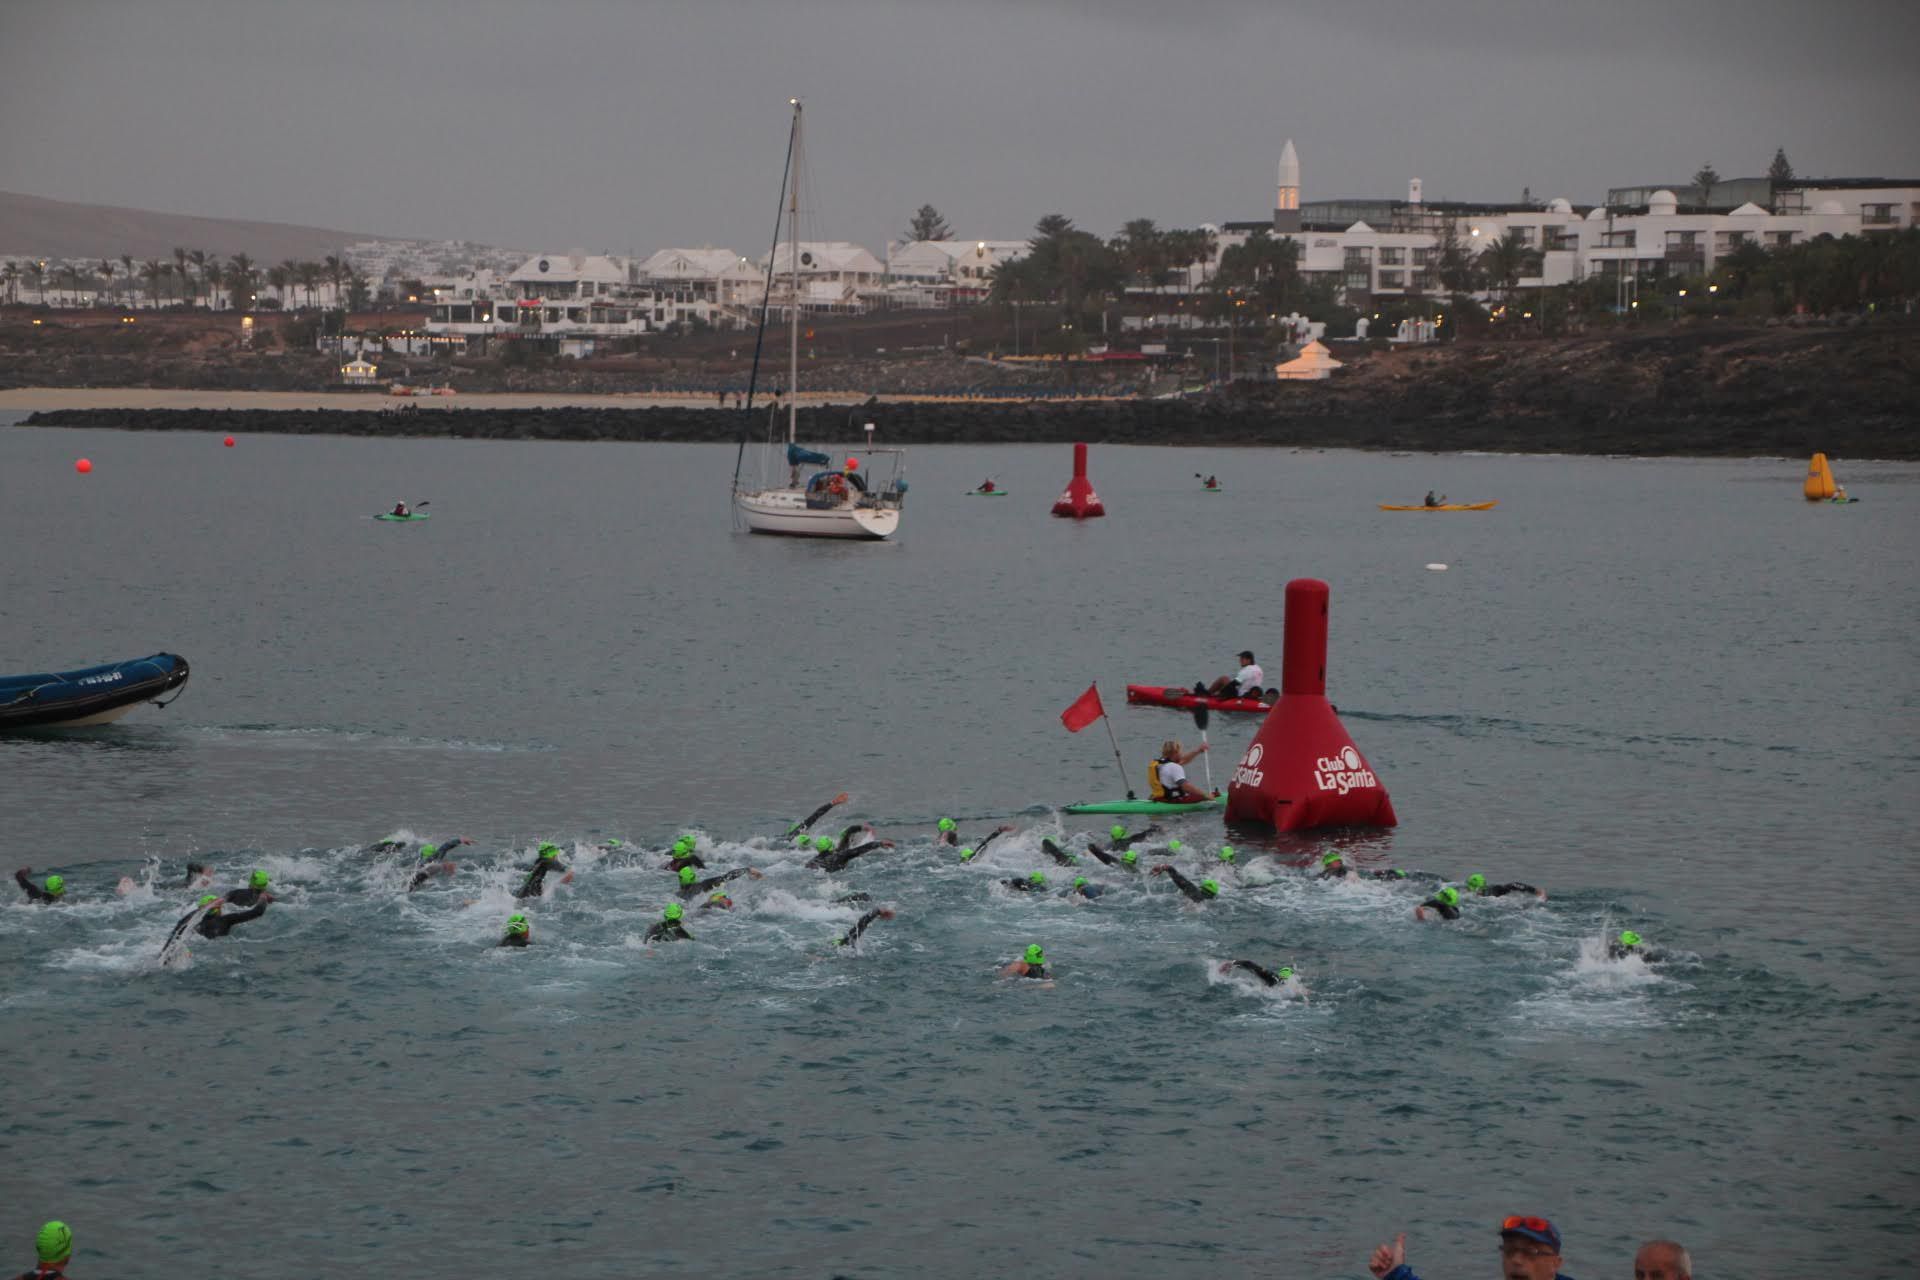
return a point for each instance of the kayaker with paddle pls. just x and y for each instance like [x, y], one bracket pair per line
[548, 861]
[1432, 501]
[401, 509]
[1167, 775]
[986, 486]
[1244, 683]
[55, 891]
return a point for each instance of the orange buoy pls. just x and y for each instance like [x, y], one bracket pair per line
[83, 466]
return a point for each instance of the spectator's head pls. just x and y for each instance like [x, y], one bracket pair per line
[1662, 1260]
[1529, 1249]
[1246, 656]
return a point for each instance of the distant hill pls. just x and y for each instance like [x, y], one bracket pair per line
[31, 226]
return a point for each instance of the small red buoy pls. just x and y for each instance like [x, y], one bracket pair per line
[83, 466]
[853, 464]
[228, 442]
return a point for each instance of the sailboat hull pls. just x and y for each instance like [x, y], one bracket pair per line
[785, 512]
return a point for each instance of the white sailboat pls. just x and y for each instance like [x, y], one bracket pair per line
[850, 501]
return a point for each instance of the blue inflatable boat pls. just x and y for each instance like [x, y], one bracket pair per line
[92, 695]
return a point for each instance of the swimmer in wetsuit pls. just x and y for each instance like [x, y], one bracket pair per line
[1120, 840]
[827, 858]
[1032, 965]
[971, 852]
[1334, 867]
[1445, 903]
[668, 927]
[53, 1246]
[519, 933]
[852, 938]
[1059, 855]
[1205, 891]
[807, 822]
[1032, 884]
[434, 861]
[56, 890]
[1261, 972]
[1128, 861]
[949, 835]
[683, 855]
[1478, 886]
[1628, 943]
[1083, 889]
[256, 889]
[216, 923]
[549, 860]
[692, 888]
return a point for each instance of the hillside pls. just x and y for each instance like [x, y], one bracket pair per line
[31, 226]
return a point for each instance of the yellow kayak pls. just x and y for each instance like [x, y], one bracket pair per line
[1445, 506]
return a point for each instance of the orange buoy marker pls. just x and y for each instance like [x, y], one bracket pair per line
[228, 442]
[1302, 769]
[853, 464]
[83, 466]
[1079, 501]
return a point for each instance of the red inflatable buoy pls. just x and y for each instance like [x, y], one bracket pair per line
[1303, 769]
[83, 466]
[228, 442]
[1079, 502]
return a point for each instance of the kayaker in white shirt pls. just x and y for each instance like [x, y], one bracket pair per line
[1247, 682]
[1170, 773]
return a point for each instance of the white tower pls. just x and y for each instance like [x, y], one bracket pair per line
[1413, 191]
[1286, 197]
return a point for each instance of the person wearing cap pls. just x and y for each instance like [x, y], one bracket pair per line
[55, 890]
[254, 890]
[1205, 891]
[718, 900]
[1059, 855]
[215, 922]
[1244, 683]
[970, 852]
[1529, 1250]
[807, 822]
[1334, 867]
[668, 927]
[683, 855]
[1119, 841]
[828, 858]
[852, 937]
[1477, 885]
[434, 861]
[691, 888]
[1083, 890]
[1127, 861]
[547, 861]
[519, 933]
[1628, 943]
[1032, 884]
[1662, 1260]
[1167, 774]
[1445, 903]
[53, 1246]
[1267, 976]
[1032, 965]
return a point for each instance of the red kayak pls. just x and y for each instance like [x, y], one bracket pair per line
[1182, 699]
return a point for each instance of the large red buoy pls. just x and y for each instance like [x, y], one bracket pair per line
[1079, 502]
[1303, 769]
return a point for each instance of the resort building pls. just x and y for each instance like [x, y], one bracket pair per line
[944, 273]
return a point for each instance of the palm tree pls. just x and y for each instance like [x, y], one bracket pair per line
[214, 277]
[199, 260]
[289, 272]
[180, 267]
[10, 280]
[308, 274]
[37, 276]
[152, 271]
[1507, 259]
[241, 276]
[106, 273]
[277, 281]
[128, 270]
[337, 272]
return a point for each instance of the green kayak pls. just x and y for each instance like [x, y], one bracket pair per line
[388, 515]
[987, 493]
[1145, 806]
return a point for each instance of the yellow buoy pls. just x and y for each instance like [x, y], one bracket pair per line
[1819, 486]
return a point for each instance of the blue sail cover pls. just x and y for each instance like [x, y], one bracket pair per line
[58, 697]
[798, 457]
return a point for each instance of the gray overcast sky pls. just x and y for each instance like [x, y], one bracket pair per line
[633, 126]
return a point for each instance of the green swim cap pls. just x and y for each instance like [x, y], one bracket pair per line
[1035, 955]
[56, 885]
[1398, 874]
[548, 852]
[680, 846]
[1038, 877]
[686, 875]
[1628, 938]
[1079, 882]
[1130, 856]
[690, 838]
[1286, 971]
[673, 911]
[966, 855]
[428, 852]
[54, 1243]
[258, 880]
[1476, 882]
[823, 843]
[1226, 853]
[802, 841]
[1330, 859]
[206, 898]
[1174, 846]
[1210, 887]
[1448, 895]
[946, 824]
[719, 895]
[516, 924]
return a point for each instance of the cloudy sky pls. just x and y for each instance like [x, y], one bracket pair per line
[624, 125]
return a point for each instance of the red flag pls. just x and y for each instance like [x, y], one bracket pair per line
[1085, 710]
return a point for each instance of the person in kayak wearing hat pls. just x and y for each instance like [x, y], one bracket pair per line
[256, 889]
[1205, 891]
[852, 937]
[1477, 885]
[1529, 1250]
[548, 861]
[668, 927]
[53, 1246]
[1445, 903]
[1167, 775]
[55, 890]
[1032, 965]
[519, 933]
[434, 861]
[401, 509]
[827, 858]
[691, 888]
[1244, 683]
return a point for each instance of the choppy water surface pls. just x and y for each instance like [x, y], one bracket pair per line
[1671, 693]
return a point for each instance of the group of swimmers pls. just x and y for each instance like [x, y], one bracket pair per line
[216, 914]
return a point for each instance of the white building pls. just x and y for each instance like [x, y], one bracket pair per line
[716, 286]
[572, 299]
[942, 273]
[833, 275]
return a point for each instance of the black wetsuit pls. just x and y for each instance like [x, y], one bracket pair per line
[1648, 955]
[710, 883]
[1265, 975]
[386, 846]
[34, 892]
[1023, 886]
[849, 899]
[1058, 854]
[1447, 911]
[1502, 890]
[837, 859]
[245, 897]
[1344, 872]
[1187, 886]
[1112, 861]
[986, 840]
[685, 860]
[532, 888]
[807, 822]
[1123, 843]
[859, 927]
[218, 924]
[668, 931]
[1037, 972]
[429, 866]
[1087, 891]
[517, 940]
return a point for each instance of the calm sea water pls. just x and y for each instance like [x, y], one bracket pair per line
[1672, 693]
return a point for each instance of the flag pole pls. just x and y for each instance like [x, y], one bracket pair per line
[1105, 719]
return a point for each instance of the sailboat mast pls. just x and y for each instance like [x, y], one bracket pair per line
[793, 282]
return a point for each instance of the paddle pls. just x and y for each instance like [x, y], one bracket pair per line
[1200, 717]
